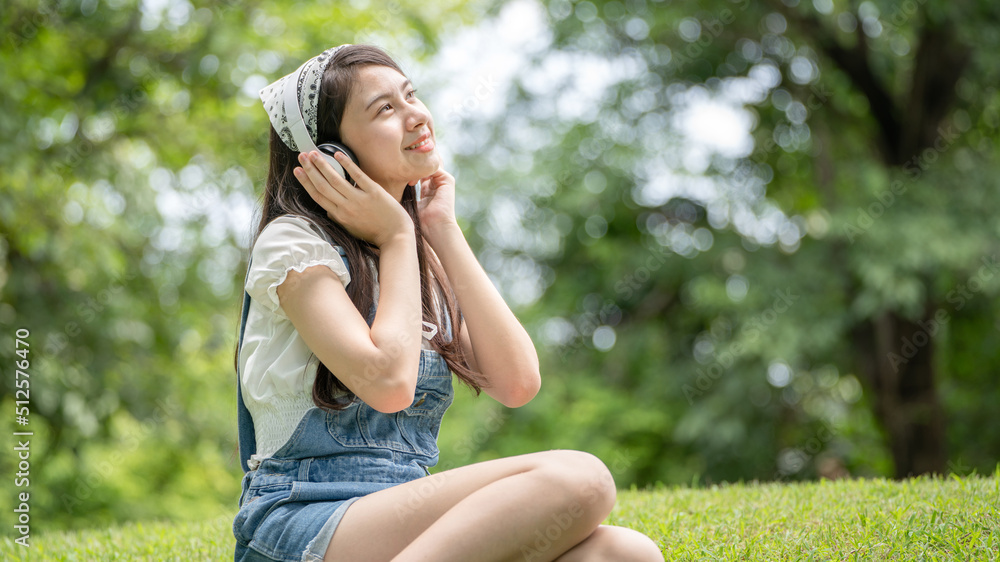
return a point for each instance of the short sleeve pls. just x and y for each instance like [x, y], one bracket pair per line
[288, 243]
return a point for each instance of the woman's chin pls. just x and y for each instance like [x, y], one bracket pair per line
[432, 166]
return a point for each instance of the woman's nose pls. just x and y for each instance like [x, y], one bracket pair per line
[419, 116]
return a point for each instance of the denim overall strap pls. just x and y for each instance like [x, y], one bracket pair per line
[247, 433]
[244, 421]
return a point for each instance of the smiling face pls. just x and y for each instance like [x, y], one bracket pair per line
[382, 120]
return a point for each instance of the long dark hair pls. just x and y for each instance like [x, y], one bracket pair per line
[285, 195]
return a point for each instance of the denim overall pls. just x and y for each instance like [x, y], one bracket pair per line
[291, 504]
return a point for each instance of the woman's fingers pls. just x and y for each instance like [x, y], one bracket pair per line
[353, 170]
[315, 175]
[307, 183]
[326, 170]
[321, 184]
[366, 211]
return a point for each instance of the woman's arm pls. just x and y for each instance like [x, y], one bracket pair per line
[502, 349]
[379, 365]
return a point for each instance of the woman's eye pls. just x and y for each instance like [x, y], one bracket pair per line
[410, 93]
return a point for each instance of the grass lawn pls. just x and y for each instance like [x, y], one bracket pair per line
[953, 518]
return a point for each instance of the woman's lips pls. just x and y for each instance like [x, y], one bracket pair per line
[426, 147]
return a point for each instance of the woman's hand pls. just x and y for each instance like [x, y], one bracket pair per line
[437, 200]
[366, 211]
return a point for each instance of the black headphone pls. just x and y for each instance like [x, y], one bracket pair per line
[328, 149]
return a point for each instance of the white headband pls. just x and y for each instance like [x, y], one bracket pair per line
[292, 102]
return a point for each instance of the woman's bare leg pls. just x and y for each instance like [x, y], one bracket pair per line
[621, 544]
[532, 507]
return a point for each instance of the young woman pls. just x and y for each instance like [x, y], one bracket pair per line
[345, 366]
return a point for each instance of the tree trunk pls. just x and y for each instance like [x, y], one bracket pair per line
[898, 371]
[897, 364]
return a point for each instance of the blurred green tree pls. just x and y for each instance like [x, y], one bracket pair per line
[132, 147]
[762, 305]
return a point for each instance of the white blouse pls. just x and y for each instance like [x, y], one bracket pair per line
[277, 369]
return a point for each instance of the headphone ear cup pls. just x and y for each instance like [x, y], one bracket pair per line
[329, 149]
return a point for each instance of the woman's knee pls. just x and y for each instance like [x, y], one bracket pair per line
[583, 480]
[623, 544]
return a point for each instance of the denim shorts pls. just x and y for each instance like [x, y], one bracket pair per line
[291, 504]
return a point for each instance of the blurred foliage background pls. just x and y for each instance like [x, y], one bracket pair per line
[750, 239]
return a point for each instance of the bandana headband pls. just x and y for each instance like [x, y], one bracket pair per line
[292, 102]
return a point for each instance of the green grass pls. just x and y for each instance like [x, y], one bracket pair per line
[953, 518]
[925, 518]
